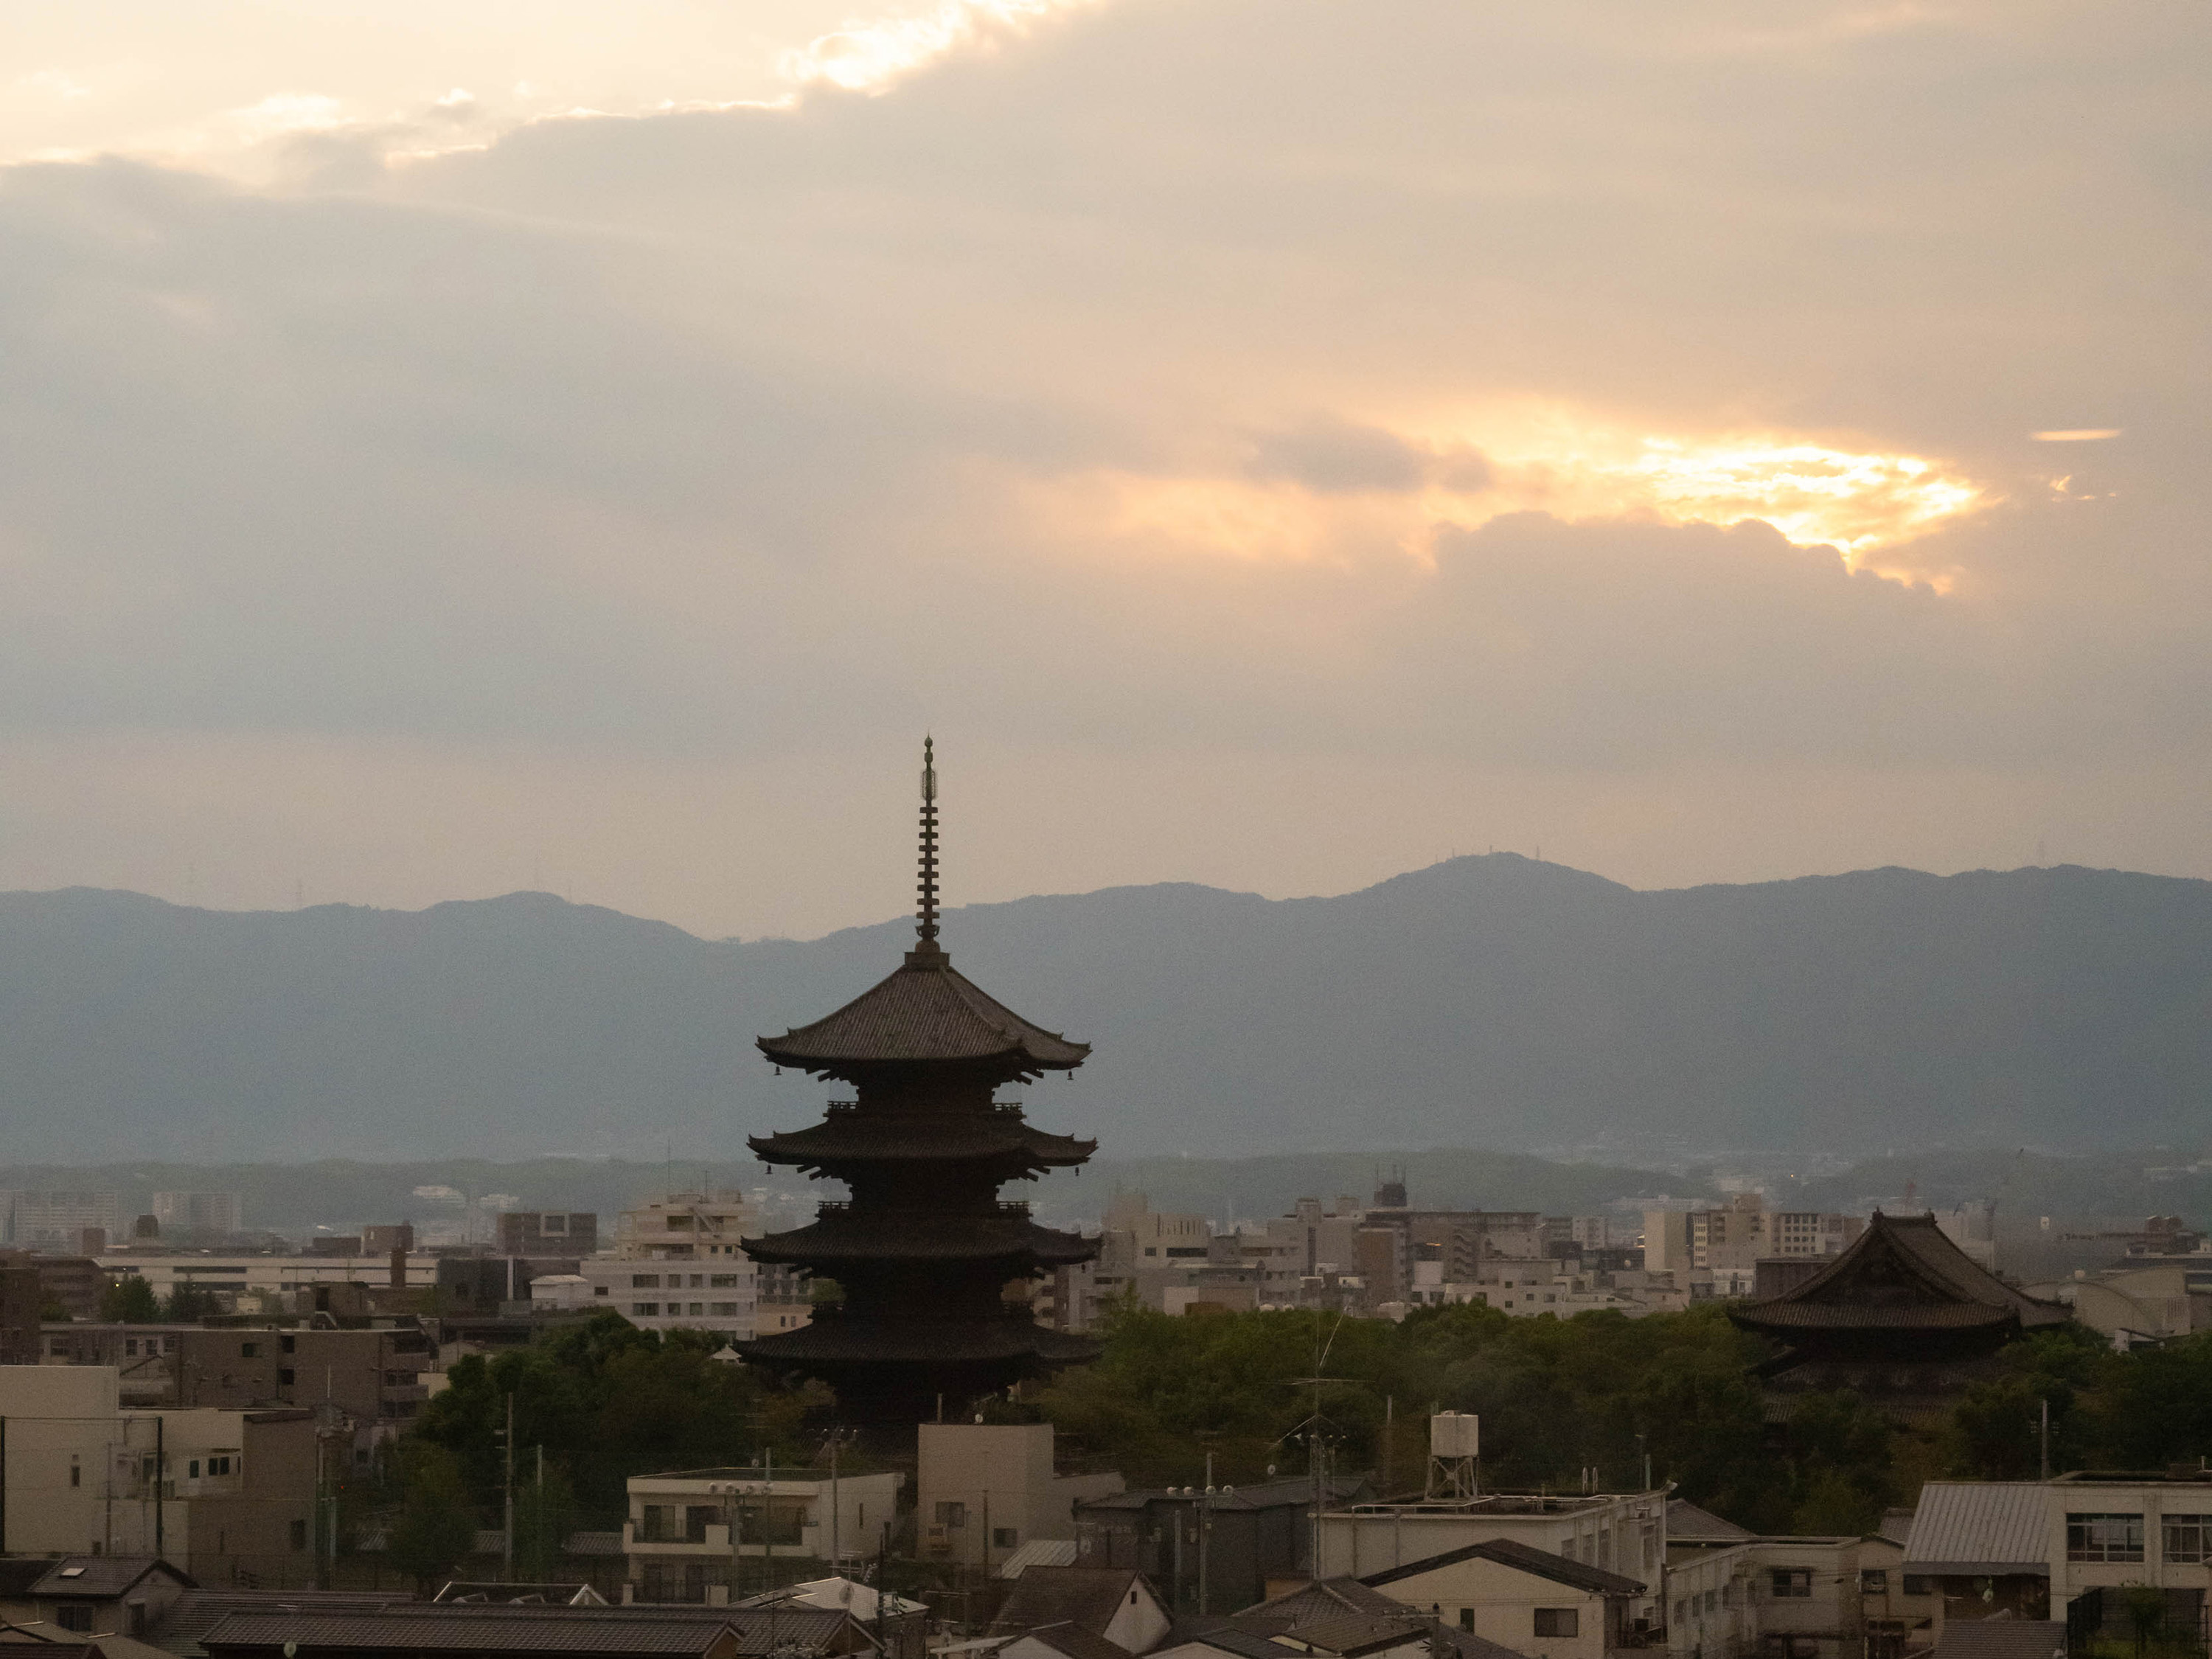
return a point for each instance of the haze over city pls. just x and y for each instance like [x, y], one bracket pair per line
[461, 449]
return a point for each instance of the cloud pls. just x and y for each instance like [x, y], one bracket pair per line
[1471, 390]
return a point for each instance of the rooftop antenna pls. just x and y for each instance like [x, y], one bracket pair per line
[928, 950]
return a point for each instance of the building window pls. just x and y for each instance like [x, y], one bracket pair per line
[1874, 1581]
[2104, 1538]
[1682, 1613]
[288, 1344]
[2186, 1537]
[299, 1535]
[131, 1347]
[249, 1350]
[646, 1310]
[1559, 1621]
[645, 1282]
[74, 1618]
[1792, 1582]
[725, 1310]
[1467, 1619]
[952, 1514]
[284, 1376]
[598, 1290]
[1712, 1599]
[1002, 1538]
[724, 1281]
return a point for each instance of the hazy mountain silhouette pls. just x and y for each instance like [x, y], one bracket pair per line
[1484, 1001]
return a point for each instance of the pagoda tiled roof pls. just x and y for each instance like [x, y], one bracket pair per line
[842, 1234]
[1902, 1273]
[849, 1136]
[834, 1338]
[924, 1011]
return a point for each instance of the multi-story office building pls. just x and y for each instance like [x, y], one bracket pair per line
[59, 1220]
[205, 1215]
[549, 1232]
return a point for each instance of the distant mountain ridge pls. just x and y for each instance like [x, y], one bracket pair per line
[1482, 1001]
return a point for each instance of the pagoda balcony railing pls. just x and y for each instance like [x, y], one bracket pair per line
[1003, 1108]
[843, 1206]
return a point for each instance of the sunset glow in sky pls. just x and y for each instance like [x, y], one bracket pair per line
[509, 443]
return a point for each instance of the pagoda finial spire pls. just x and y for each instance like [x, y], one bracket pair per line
[925, 925]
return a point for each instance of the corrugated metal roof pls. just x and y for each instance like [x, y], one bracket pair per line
[2003, 1638]
[1038, 1553]
[1689, 1525]
[1980, 1527]
[454, 1630]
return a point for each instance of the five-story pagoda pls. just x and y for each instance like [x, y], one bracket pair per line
[923, 1247]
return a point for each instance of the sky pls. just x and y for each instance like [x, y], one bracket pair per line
[446, 449]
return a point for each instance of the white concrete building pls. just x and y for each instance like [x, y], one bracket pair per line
[986, 1489]
[712, 1536]
[718, 1293]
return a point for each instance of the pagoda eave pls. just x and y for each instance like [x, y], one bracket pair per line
[849, 1141]
[888, 1237]
[849, 1341]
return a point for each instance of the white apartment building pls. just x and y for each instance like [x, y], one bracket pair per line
[717, 1294]
[54, 1220]
[713, 1536]
[685, 1227]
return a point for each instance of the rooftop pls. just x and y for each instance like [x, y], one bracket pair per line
[1980, 1527]
[1902, 1272]
[924, 1011]
[1523, 1558]
[1088, 1597]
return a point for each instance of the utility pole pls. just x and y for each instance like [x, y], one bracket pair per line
[2045, 1438]
[836, 1555]
[1205, 1532]
[507, 1540]
[160, 1447]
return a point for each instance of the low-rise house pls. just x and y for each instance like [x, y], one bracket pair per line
[1835, 1597]
[897, 1627]
[1109, 1603]
[1254, 1536]
[1339, 1619]
[1529, 1599]
[1624, 1533]
[421, 1631]
[709, 1537]
[106, 1595]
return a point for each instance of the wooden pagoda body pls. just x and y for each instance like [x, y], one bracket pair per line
[923, 1246]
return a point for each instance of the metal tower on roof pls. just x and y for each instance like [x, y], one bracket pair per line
[927, 929]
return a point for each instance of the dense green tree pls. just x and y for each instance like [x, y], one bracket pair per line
[545, 1513]
[607, 1400]
[436, 1525]
[129, 1300]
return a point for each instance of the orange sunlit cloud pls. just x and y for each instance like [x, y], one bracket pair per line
[1859, 502]
[2078, 434]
